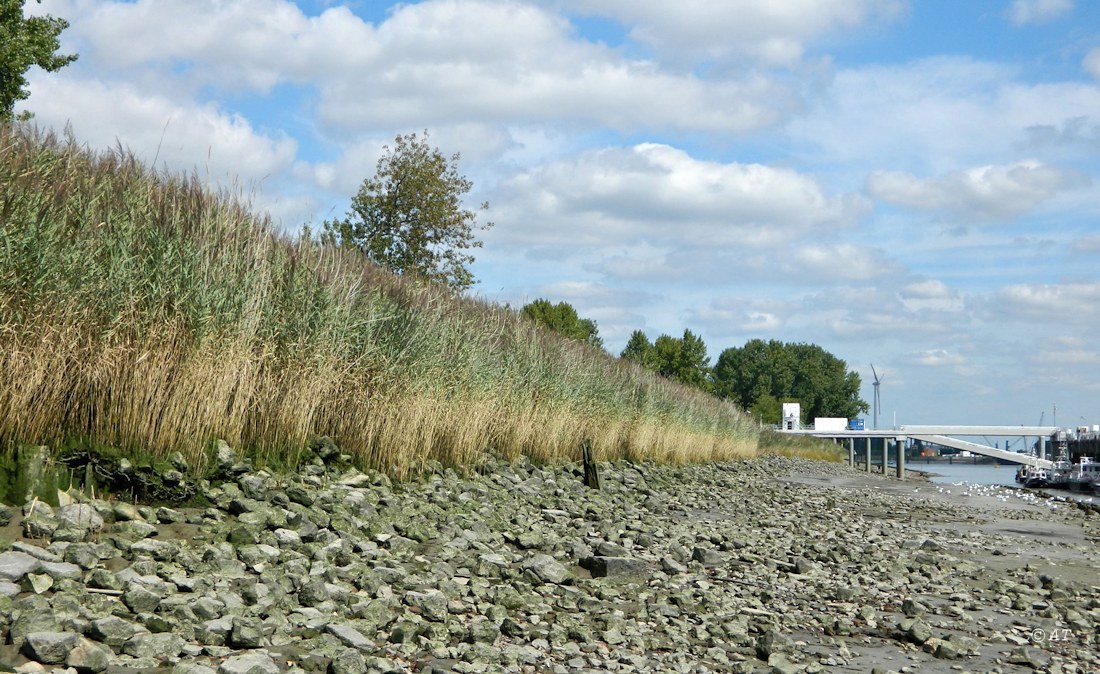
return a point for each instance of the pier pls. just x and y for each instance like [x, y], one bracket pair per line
[947, 436]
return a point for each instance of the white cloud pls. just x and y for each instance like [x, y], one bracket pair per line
[1050, 303]
[737, 317]
[429, 63]
[939, 115]
[1037, 11]
[1091, 62]
[929, 295]
[183, 135]
[1068, 350]
[441, 61]
[775, 33]
[981, 193]
[938, 358]
[653, 193]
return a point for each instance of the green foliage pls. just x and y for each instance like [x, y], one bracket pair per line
[640, 350]
[26, 42]
[562, 318]
[784, 444]
[760, 374]
[683, 359]
[409, 217]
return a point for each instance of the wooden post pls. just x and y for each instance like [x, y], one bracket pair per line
[901, 457]
[591, 470]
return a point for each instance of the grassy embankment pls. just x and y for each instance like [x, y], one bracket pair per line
[140, 311]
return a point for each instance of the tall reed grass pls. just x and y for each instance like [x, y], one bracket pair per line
[140, 310]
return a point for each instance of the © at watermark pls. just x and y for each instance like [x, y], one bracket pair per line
[1042, 636]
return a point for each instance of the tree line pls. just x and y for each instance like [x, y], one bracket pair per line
[759, 376]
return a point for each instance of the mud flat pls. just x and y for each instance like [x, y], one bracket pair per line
[769, 565]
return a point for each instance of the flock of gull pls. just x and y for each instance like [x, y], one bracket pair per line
[1004, 494]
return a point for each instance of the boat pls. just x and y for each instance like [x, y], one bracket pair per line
[1085, 475]
[1027, 475]
[1059, 474]
[1037, 477]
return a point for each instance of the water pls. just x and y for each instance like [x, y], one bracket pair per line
[981, 473]
[984, 473]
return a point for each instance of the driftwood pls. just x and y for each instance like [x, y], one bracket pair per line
[591, 470]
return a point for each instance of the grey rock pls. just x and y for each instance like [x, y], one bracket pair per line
[39, 525]
[350, 637]
[1021, 655]
[15, 565]
[249, 663]
[706, 556]
[546, 569]
[348, 661]
[50, 648]
[771, 643]
[225, 457]
[158, 647]
[616, 567]
[103, 579]
[140, 599]
[192, 668]
[946, 650]
[214, 632]
[609, 549]
[246, 633]
[81, 516]
[84, 555]
[483, 630]
[35, 551]
[125, 512]
[155, 548]
[965, 645]
[114, 630]
[912, 607]
[89, 656]
[133, 529]
[62, 570]
[432, 604]
[919, 632]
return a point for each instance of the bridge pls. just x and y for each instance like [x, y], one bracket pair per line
[946, 436]
[941, 435]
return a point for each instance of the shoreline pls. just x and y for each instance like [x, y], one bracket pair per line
[763, 565]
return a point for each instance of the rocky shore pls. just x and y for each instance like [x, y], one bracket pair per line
[769, 565]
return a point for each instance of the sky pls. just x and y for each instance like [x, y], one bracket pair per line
[909, 184]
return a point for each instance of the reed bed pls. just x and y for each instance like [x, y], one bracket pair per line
[141, 310]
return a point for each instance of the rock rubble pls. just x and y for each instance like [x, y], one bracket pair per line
[728, 567]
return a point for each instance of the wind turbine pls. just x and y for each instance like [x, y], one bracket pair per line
[877, 382]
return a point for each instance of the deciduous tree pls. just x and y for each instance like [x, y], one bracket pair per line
[681, 358]
[26, 42]
[640, 350]
[563, 318]
[409, 217]
[762, 374]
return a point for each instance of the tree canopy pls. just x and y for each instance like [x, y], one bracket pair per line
[409, 216]
[761, 375]
[26, 42]
[681, 358]
[563, 318]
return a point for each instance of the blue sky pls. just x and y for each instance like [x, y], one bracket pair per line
[906, 183]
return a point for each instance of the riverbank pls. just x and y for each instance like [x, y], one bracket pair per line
[767, 565]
